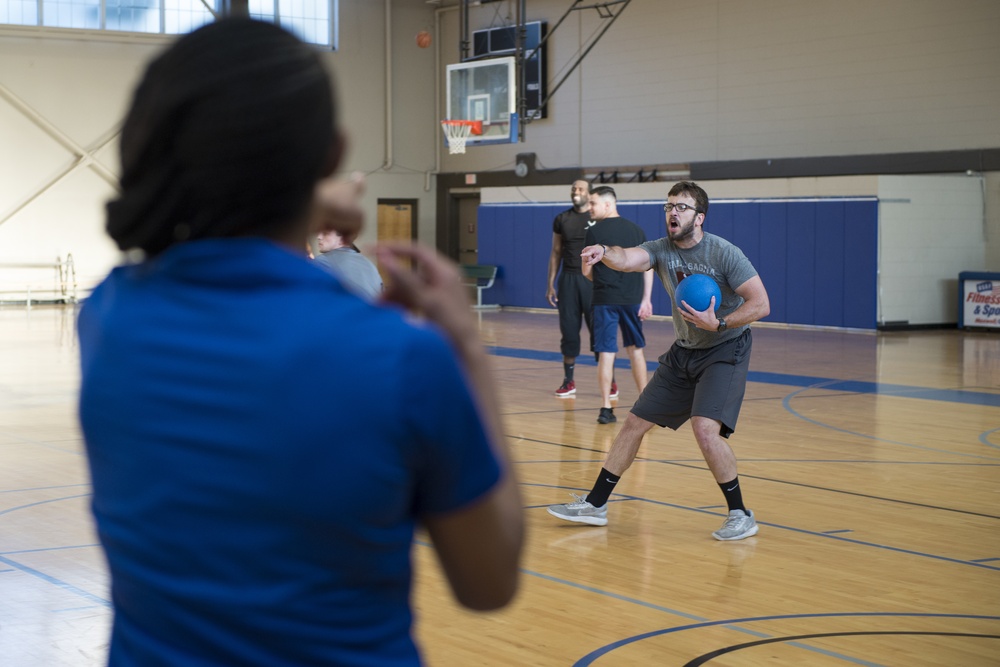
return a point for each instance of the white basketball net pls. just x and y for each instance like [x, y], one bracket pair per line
[457, 134]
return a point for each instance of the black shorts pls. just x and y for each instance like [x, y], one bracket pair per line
[703, 383]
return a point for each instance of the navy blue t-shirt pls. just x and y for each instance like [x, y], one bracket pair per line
[261, 444]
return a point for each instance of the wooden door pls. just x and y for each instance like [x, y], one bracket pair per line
[468, 232]
[396, 221]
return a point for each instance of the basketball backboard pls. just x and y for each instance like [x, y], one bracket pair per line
[485, 90]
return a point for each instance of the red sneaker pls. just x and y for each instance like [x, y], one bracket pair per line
[567, 389]
[614, 390]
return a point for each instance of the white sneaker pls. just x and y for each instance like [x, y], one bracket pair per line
[581, 512]
[737, 526]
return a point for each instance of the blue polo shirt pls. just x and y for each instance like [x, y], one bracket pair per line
[261, 443]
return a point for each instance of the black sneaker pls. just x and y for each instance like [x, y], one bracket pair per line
[607, 416]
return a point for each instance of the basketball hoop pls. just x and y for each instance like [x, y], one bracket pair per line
[458, 131]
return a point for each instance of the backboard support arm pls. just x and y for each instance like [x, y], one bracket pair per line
[605, 11]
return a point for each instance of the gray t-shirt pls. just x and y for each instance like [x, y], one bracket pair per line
[354, 270]
[715, 257]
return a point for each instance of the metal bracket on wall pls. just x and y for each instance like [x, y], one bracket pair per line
[82, 157]
[608, 11]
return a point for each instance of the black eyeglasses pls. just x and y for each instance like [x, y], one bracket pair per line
[680, 208]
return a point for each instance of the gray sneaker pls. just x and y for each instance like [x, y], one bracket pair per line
[737, 526]
[581, 512]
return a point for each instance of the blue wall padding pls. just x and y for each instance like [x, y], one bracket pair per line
[817, 258]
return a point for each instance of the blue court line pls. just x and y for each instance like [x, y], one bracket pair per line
[727, 623]
[43, 502]
[862, 461]
[617, 596]
[985, 438]
[749, 459]
[882, 389]
[587, 660]
[704, 622]
[56, 582]
[786, 403]
[43, 488]
[38, 573]
[785, 379]
[65, 547]
[886, 547]
[47, 444]
[777, 480]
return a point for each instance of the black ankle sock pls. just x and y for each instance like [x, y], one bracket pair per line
[734, 497]
[605, 484]
[568, 371]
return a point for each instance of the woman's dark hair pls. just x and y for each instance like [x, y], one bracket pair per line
[228, 133]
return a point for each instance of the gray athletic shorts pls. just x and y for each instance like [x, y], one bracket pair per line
[704, 383]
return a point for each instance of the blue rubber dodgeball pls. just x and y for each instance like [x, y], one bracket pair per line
[697, 291]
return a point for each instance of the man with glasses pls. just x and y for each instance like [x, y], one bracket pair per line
[702, 377]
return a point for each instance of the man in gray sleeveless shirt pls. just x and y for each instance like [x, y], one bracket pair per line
[702, 377]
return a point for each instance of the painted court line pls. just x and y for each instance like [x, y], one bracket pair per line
[805, 381]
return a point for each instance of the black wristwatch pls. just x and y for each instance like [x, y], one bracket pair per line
[722, 325]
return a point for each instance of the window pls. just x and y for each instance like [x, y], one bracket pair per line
[311, 20]
[314, 21]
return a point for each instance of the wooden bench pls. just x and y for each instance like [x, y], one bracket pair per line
[481, 277]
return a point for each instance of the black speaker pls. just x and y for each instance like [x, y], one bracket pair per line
[500, 42]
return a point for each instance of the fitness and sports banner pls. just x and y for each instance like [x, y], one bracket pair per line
[979, 300]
